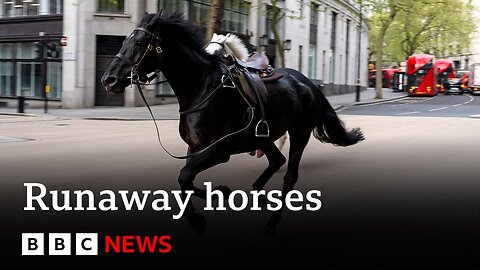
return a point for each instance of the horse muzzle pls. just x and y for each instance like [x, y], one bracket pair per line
[112, 84]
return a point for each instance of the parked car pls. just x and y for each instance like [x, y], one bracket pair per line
[453, 86]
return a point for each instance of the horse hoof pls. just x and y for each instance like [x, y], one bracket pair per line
[197, 222]
[269, 231]
[224, 189]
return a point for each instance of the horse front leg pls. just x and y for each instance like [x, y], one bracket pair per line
[192, 168]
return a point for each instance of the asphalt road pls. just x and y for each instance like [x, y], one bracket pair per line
[438, 106]
[406, 197]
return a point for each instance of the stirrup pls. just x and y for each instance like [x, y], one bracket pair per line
[264, 127]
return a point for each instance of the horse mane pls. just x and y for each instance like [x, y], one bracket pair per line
[177, 26]
[236, 47]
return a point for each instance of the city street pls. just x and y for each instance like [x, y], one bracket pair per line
[408, 196]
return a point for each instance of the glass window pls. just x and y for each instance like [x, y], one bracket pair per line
[6, 79]
[111, 6]
[29, 79]
[54, 79]
[173, 5]
[6, 50]
[163, 89]
[11, 8]
[201, 11]
[312, 62]
[55, 7]
[26, 51]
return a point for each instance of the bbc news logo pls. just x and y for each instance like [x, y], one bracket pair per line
[59, 244]
[87, 244]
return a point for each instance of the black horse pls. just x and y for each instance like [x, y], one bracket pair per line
[210, 108]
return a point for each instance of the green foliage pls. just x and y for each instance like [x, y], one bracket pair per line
[439, 27]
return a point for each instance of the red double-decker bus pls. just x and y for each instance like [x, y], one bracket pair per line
[444, 69]
[421, 79]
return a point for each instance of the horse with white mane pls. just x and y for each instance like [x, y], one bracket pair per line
[232, 45]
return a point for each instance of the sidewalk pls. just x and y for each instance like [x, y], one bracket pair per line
[170, 111]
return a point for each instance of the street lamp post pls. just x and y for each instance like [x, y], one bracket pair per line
[357, 89]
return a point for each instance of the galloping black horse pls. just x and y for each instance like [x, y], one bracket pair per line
[210, 108]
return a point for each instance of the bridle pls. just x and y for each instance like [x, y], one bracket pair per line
[136, 79]
[154, 42]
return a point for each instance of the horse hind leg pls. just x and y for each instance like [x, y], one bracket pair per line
[275, 161]
[298, 142]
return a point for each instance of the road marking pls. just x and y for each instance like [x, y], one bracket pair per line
[406, 113]
[437, 109]
[457, 105]
[471, 99]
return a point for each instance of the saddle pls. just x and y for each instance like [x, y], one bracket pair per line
[252, 75]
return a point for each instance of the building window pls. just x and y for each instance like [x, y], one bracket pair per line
[312, 61]
[171, 6]
[235, 16]
[269, 22]
[347, 52]
[300, 58]
[163, 89]
[111, 6]
[29, 79]
[55, 7]
[21, 69]
[201, 12]
[20, 8]
[313, 24]
[6, 78]
[54, 79]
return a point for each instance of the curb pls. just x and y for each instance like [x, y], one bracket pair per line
[18, 114]
[378, 101]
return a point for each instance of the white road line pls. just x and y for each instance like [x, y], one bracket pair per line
[406, 113]
[457, 105]
[471, 99]
[437, 109]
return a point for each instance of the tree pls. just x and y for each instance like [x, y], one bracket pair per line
[216, 16]
[439, 27]
[384, 13]
[431, 27]
[275, 15]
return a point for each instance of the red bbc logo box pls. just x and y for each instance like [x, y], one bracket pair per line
[59, 244]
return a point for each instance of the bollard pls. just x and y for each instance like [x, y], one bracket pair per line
[21, 104]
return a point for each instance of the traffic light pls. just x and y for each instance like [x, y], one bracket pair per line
[38, 50]
[52, 51]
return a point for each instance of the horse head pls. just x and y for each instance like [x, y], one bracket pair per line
[167, 43]
[228, 44]
[217, 44]
[138, 56]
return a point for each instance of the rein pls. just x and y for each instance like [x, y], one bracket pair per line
[135, 79]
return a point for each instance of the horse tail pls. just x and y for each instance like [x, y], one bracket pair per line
[330, 129]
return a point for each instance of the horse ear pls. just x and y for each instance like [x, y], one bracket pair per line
[155, 19]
